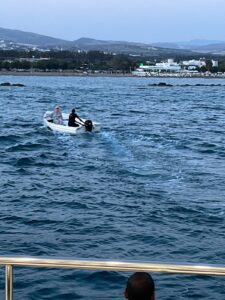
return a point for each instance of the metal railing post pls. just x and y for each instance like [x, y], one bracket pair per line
[8, 282]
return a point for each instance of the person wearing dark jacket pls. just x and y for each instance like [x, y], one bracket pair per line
[72, 119]
[140, 286]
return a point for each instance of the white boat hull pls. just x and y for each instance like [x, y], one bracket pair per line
[67, 129]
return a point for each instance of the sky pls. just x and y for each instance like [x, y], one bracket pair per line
[122, 20]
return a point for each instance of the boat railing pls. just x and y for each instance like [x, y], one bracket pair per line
[10, 262]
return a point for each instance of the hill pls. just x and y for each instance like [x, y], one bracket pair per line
[123, 47]
[17, 39]
[198, 45]
[29, 38]
[218, 48]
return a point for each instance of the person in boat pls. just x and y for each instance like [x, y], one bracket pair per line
[56, 116]
[140, 286]
[72, 119]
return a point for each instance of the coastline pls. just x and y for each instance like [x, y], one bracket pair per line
[105, 74]
[55, 73]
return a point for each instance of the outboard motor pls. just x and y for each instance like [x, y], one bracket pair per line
[88, 125]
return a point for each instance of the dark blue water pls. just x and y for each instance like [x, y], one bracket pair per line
[149, 187]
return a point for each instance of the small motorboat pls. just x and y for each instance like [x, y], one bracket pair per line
[88, 126]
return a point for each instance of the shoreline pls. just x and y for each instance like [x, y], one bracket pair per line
[14, 73]
[72, 74]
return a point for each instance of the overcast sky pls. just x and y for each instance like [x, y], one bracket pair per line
[131, 20]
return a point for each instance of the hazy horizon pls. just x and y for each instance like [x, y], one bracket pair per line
[144, 21]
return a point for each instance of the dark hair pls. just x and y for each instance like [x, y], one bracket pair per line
[73, 110]
[140, 286]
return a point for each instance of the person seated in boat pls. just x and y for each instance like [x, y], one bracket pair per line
[72, 119]
[56, 116]
[140, 286]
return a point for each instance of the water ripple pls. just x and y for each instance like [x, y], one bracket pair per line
[149, 187]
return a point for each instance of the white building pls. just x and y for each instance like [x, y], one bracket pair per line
[193, 63]
[215, 63]
[170, 65]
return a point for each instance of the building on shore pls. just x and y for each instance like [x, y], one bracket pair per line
[169, 66]
[215, 63]
[193, 64]
[183, 68]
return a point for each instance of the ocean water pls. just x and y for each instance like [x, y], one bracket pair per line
[149, 187]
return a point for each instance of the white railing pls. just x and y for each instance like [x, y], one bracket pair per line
[9, 262]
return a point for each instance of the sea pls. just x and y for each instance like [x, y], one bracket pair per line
[150, 187]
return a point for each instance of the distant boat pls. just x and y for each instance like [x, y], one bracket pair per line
[89, 126]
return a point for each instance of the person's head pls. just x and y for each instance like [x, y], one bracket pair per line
[140, 286]
[57, 108]
[73, 110]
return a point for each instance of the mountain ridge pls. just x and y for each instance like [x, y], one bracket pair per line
[122, 47]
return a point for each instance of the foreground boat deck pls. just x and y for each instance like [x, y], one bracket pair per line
[10, 262]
